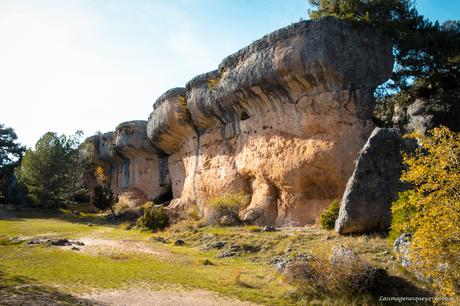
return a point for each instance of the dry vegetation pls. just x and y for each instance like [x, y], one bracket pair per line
[236, 261]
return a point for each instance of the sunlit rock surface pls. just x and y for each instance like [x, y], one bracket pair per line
[282, 120]
[134, 169]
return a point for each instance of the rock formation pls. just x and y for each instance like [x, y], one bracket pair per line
[134, 169]
[281, 120]
[373, 186]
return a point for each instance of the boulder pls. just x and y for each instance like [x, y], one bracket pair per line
[374, 185]
[426, 113]
[401, 249]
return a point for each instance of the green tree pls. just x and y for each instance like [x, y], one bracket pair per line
[10, 150]
[423, 50]
[10, 155]
[104, 198]
[53, 171]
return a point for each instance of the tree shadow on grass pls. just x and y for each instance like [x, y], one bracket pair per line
[20, 290]
[391, 286]
[8, 213]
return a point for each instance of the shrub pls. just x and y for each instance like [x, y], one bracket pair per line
[401, 215]
[120, 207]
[328, 217]
[154, 218]
[318, 277]
[225, 210]
[193, 213]
[434, 172]
[104, 198]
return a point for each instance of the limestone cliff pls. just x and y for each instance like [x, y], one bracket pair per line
[282, 120]
[134, 169]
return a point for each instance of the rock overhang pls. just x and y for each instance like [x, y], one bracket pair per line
[131, 139]
[307, 85]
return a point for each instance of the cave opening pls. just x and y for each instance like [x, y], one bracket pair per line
[244, 116]
[166, 197]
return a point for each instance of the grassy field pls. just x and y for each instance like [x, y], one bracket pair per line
[28, 272]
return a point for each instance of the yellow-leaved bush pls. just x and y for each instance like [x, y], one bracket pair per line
[433, 171]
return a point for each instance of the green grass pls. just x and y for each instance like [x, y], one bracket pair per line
[247, 277]
[78, 273]
[74, 272]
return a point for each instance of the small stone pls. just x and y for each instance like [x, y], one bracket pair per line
[341, 254]
[207, 262]
[179, 242]
[227, 220]
[38, 241]
[234, 248]
[61, 242]
[228, 254]
[269, 229]
[251, 248]
[160, 239]
[79, 243]
[217, 245]
[232, 251]
[75, 249]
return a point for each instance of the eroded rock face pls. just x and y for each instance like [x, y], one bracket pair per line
[282, 120]
[134, 169]
[374, 185]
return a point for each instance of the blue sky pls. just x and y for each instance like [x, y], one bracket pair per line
[91, 64]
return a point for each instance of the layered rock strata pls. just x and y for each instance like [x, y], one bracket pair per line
[281, 120]
[374, 185]
[133, 168]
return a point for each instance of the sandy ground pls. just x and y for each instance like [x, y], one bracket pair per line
[145, 296]
[98, 246]
[178, 297]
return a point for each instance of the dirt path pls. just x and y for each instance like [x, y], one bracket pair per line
[177, 297]
[99, 246]
[144, 296]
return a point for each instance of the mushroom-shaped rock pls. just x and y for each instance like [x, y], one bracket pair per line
[170, 122]
[91, 148]
[282, 119]
[134, 169]
[131, 139]
[304, 59]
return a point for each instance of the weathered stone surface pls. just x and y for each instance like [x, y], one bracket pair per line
[170, 123]
[135, 171]
[401, 249]
[281, 119]
[423, 114]
[373, 186]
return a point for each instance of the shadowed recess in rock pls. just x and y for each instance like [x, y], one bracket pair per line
[282, 120]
